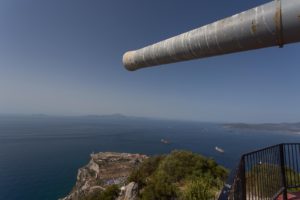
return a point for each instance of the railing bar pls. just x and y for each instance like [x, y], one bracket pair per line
[254, 189]
[267, 172]
[279, 183]
[252, 178]
[240, 182]
[294, 186]
[263, 149]
[245, 175]
[273, 158]
[290, 143]
[276, 161]
[268, 168]
[297, 164]
[255, 175]
[270, 151]
[260, 175]
[271, 172]
[276, 164]
[283, 171]
[275, 167]
[264, 172]
[267, 148]
[294, 164]
[244, 184]
[253, 172]
[289, 166]
[286, 161]
[267, 177]
[265, 181]
[276, 172]
[297, 155]
[249, 188]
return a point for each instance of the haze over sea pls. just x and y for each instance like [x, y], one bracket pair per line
[40, 155]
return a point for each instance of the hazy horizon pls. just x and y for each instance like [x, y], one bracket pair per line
[144, 117]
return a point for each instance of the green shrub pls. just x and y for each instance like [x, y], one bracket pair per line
[110, 193]
[160, 186]
[178, 175]
[145, 170]
[200, 189]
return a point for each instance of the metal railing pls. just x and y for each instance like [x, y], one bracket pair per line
[270, 173]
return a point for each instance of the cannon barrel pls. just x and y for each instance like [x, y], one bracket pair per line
[272, 24]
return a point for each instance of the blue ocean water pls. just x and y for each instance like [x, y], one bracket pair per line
[40, 155]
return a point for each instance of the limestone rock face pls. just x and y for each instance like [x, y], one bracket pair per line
[130, 192]
[105, 169]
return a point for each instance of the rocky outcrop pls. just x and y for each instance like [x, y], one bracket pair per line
[105, 169]
[130, 192]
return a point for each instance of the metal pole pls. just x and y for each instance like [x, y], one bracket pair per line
[282, 168]
[273, 24]
[243, 178]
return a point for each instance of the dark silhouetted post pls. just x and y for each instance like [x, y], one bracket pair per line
[282, 168]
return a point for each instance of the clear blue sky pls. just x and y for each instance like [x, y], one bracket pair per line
[63, 57]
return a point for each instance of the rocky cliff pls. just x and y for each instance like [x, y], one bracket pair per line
[106, 169]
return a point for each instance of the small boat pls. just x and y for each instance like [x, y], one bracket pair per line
[164, 141]
[218, 149]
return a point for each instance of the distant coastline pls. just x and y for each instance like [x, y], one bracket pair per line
[276, 127]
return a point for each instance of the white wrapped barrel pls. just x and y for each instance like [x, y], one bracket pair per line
[273, 24]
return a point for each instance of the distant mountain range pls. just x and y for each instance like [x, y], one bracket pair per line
[40, 115]
[115, 116]
[285, 127]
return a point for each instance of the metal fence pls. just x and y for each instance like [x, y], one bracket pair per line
[270, 173]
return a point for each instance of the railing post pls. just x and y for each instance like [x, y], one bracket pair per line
[243, 178]
[282, 169]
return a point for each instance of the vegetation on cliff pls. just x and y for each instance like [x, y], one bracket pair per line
[178, 175]
[110, 193]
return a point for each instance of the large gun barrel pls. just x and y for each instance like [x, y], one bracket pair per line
[272, 24]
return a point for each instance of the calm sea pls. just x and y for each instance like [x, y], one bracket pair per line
[40, 156]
